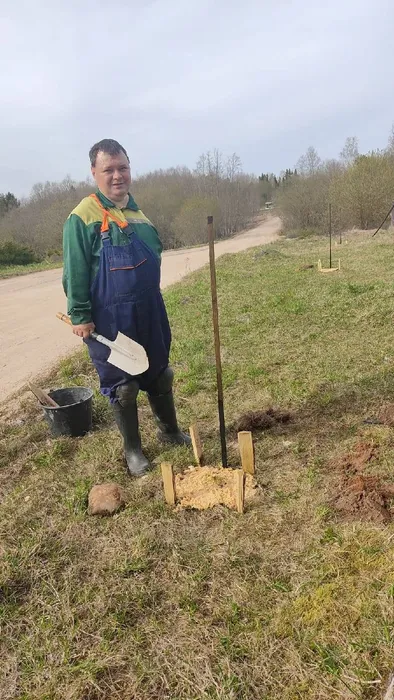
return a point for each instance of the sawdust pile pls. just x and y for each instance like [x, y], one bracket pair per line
[357, 495]
[262, 420]
[205, 487]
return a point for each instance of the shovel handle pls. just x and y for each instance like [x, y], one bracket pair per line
[64, 318]
[67, 319]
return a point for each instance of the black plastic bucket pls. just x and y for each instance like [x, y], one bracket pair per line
[74, 415]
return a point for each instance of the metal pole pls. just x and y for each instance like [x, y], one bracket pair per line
[330, 227]
[215, 316]
[340, 236]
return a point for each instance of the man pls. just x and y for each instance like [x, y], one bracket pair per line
[111, 278]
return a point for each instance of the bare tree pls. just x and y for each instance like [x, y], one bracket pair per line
[350, 152]
[233, 167]
[390, 143]
[310, 163]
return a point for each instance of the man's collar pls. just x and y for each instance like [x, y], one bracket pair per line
[110, 205]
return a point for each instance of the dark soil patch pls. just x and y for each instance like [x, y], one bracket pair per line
[384, 417]
[355, 461]
[261, 420]
[357, 495]
[386, 414]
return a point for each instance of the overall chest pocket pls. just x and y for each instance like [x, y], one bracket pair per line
[131, 269]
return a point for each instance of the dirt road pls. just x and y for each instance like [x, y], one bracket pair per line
[32, 339]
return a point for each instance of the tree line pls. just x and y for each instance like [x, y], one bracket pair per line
[360, 188]
[8, 202]
[177, 201]
[270, 183]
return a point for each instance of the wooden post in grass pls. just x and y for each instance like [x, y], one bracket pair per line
[215, 316]
[239, 489]
[245, 444]
[196, 442]
[167, 473]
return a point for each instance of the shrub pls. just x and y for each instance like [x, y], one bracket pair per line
[12, 253]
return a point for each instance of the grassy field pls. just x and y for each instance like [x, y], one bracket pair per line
[17, 270]
[292, 600]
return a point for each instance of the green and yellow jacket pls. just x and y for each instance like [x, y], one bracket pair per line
[82, 245]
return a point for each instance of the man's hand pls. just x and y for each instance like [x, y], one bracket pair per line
[83, 329]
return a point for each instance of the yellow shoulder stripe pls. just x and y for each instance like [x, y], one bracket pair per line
[88, 210]
[90, 213]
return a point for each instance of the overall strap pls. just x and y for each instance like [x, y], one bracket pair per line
[108, 215]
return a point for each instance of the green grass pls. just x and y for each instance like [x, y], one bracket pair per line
[285, 602]
[17, 270]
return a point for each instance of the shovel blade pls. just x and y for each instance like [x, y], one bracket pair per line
[128, 355]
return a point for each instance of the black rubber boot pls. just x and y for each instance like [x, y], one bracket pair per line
[161, 400]
[126, 417]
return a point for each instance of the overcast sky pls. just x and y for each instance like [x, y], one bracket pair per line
[173, 78]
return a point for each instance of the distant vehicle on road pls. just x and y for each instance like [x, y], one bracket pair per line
[269, 205]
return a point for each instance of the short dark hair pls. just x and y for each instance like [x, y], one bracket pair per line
[109, 146]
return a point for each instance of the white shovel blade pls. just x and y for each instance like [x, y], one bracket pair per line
[128, 355]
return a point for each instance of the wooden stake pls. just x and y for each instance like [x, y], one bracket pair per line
[215, 316]
[167, 473]
[239, 489]
[196, 442]
[245, 443]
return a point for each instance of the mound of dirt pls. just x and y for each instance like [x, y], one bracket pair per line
[384, 417]
[357, 495]
[355, 461]
[205, 487]
[386, 414]
[366, 498]
[105, 499]
[261, 420]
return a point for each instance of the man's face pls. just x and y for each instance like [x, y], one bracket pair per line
[112, 175]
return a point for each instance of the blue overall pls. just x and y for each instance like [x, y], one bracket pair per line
[126, 297]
